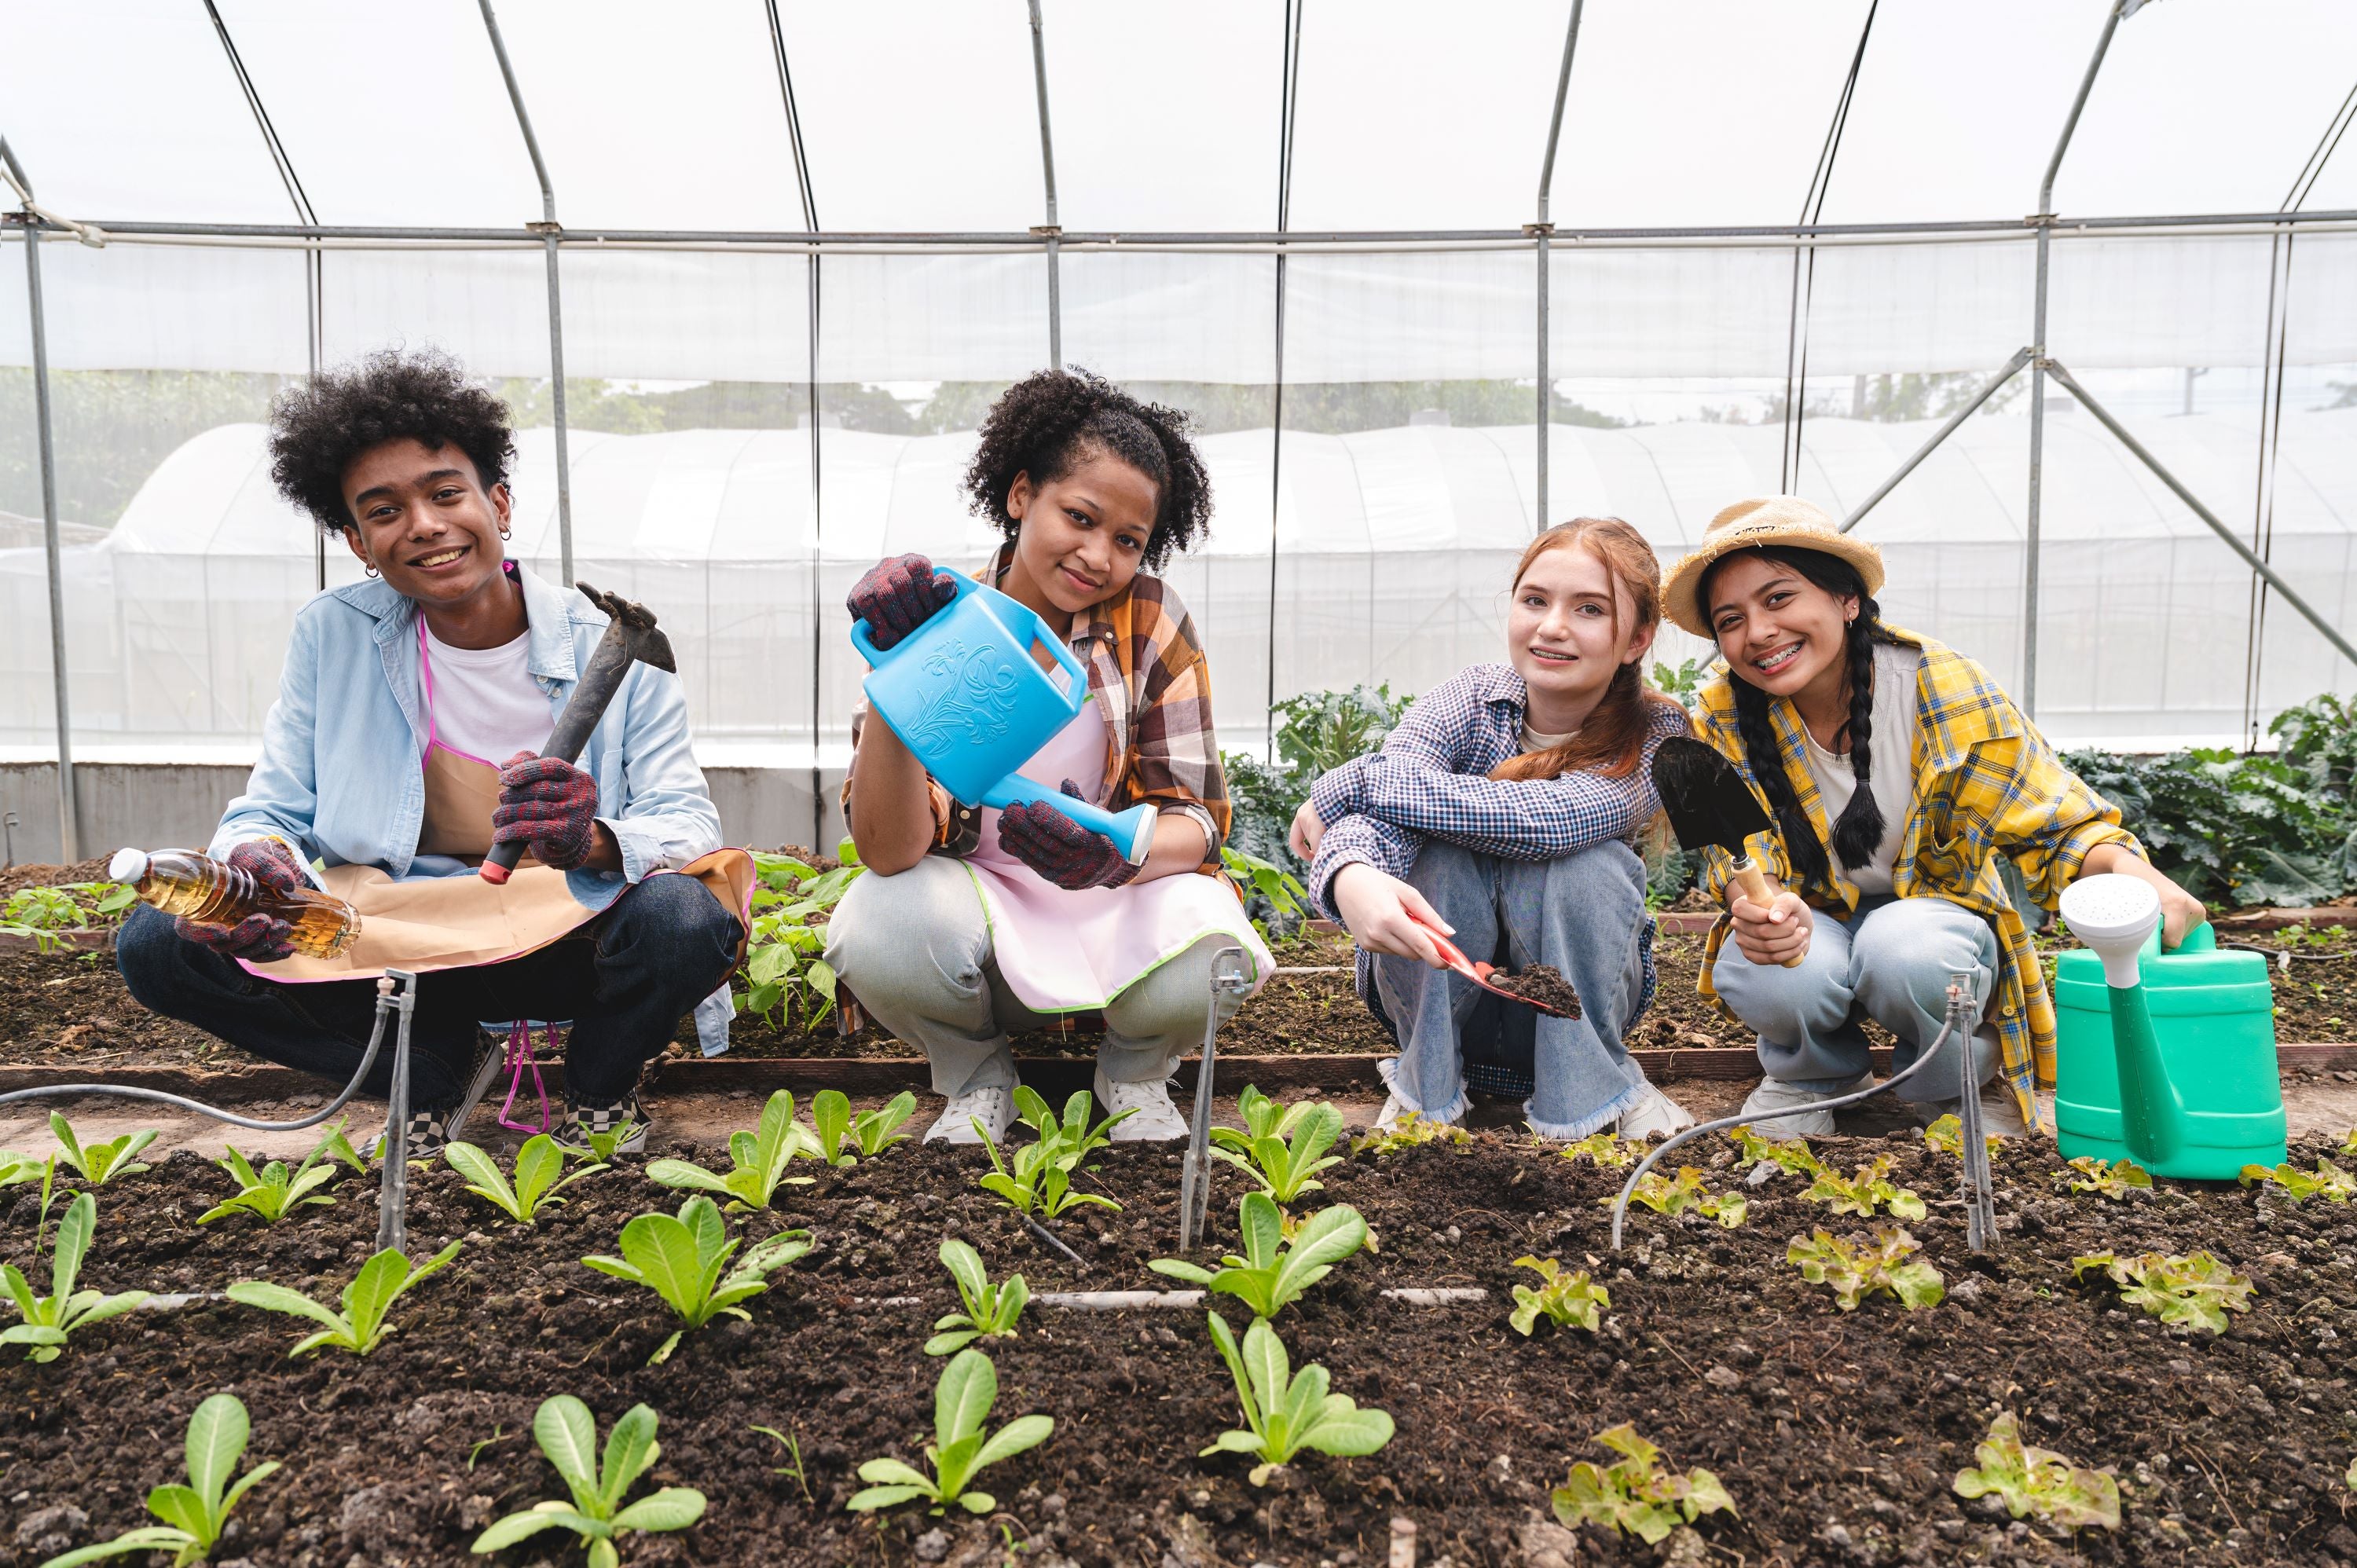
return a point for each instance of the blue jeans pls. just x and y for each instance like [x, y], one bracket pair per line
[626, 977]
[1585, 915]
[1890, 962]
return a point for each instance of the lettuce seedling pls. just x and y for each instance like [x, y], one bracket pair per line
[1790, 1154]
[870, 1133]
[1947, 1136]
[45, 1322]
[99, 1162]
[568, 1434]
[196, 1515]
[680, 1258]
[538, 1167]
[2329, 1181]
[1609, 1150]
[278, 1191]
[2114, 1179]
[759, 1158]
[990, 1310]
[1860, 1194]
[1286, 1412]
[2033, 1480]
[1271, 1274]
[600, 1148]
[1264, 1118]
[1856, 1268]
[1285, 1160]
[1037, 1181]
[2349, 1142]
[830, 1120]
[1413, 1131]
[1674, 1196]
[1069, 1137]
[874, 1131]
[2196, 1289]
[15, 1168]
[1635, 1496]
[360, 1328]
[1567, 1300]
[958, 1452]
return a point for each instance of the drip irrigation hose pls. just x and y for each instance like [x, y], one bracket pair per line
[1620, 1204]
[1053, 1240]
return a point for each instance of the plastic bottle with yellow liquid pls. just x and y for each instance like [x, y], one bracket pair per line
[186, 883]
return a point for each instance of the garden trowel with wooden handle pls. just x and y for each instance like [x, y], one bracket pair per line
[1709, 803]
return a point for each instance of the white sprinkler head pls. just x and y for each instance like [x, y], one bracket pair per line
[2112, 915]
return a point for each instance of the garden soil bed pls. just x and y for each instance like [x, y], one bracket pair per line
[1837, 1434]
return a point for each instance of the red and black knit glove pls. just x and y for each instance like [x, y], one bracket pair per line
[898, 596]
[1059, 848]
[548, 805]
[260, 939]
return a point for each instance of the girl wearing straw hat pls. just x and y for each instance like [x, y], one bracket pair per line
[1903, 781]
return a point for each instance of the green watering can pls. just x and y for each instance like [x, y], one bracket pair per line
[2164, 1058]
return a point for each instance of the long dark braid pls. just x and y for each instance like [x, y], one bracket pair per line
[1858, 830]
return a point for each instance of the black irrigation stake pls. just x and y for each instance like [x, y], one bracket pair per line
[1228, 979]
[1053, 1240]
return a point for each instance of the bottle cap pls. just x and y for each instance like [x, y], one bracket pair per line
[128, 865]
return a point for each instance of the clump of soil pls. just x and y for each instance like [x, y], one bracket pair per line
[1543, 985]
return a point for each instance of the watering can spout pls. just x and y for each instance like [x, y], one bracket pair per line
[2119, 918]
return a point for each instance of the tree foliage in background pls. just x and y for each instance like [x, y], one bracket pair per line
[1316, 733]
[111, 428]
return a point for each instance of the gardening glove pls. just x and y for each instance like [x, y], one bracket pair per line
[1059, 848]
[259, 937]
[898, 596]
[549, 806]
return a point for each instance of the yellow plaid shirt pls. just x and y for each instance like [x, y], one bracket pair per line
[1986, 784]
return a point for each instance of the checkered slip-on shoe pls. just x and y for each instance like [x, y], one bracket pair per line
[429, 1134]
[582, 1120]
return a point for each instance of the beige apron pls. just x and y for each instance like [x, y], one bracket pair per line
[453, 922]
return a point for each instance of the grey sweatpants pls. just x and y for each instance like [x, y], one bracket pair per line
[916, 950]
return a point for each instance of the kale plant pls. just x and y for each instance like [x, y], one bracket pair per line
[45, 1322]
[197, 1515]
[682, 1258]
[2032, 1480]
[1286, 1412]
[567, 1435]
[2195, 1291]
[1635, 1496]
[1857, 1268]
[990, 1310]
[1567, 1300]
[960, 1450]
[360, 1328]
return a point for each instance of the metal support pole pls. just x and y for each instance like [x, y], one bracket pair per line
[2250, 557]
[1290, 87]
[2044, 219]
[1049, 230]
[1229, 984]
[1972, 405]
[550, 233]
[1979, 1191]
[392, 1152]
[1542, 228]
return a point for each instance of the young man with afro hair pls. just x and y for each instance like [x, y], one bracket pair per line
[972, 923]
[377, 764]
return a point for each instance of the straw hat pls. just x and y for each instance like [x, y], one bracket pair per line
[1770, 520]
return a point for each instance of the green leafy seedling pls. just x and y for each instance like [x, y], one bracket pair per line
[2115, 1179]
[538, 1176]
[1069, 1136]
[1264, 1117]
[1947, 1136]
[1861, 1192]
[2327, 1181]
[683, 1258]
[793, 1444]
[1790, 1153]
[830, 1120]
[1039, 1181]
[960, 1451]
[1676, 1195]
[1857, 1268]
[990, 1310]
[196, 1515]
[1286, 1158]
[600, 1148]
[1413, 1131]
[568, 1434]
[360, 1328]
[278, 1191]
[2349, 1142]
[2195, 1290]
[1635, 1496]
[46, 1322]
[1609, 1150]
[759, 1158]
[2033, 1480]
[1286, 1412]
[100, 1162]
[15, 1168]
[1565, 1300]
[877, 1130]
[1272, 1275]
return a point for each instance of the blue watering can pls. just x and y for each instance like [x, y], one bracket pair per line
[964, 695]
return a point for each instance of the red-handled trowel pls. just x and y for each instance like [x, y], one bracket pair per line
[1709, 803]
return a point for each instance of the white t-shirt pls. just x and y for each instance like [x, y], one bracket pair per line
[486, 703]
[1892, 753]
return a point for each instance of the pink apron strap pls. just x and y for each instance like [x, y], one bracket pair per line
[520, 1056]
[425, 677]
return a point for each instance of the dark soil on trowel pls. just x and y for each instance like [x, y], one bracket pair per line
[1837, 1433]
[1544, 986]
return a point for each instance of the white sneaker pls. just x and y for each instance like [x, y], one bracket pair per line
[1656, 1113]
[1780, 1110]
[994, 1107]
[1157, 1119]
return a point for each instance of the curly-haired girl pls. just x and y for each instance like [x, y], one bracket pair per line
[973, 923]
[1907, 760]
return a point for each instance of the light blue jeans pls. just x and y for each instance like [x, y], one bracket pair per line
[1890, 962]
[1585, 915]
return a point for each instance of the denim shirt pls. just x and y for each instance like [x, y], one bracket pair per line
[341, 775]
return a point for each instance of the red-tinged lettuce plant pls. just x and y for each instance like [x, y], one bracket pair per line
[1674, 1195]
[1565, 1300]
[2032, 1480]
[2116, 1179]
[2195, 1291]
[1635, 1496]
[2327, 1181]
[1947, 1136]
[1855, 1267]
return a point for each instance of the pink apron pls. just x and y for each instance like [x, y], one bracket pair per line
[452, 922]
[1064, 951]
